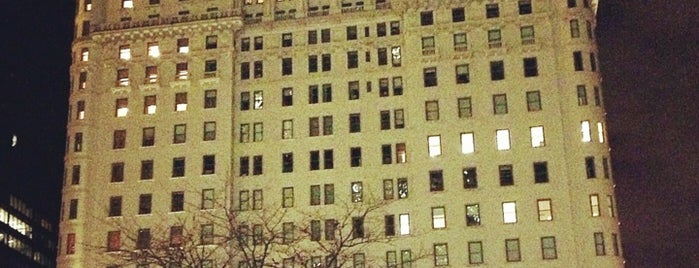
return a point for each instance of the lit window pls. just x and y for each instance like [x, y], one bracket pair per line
[125, 52]
[509, 212]
[401, 153]
[537, 136]
[357, 192]
[181, 71]
[398, 119]
[257, 100]
[149, 105]
[88, 5]
[395, 56]
[600, 132]
[82, 80]
[512, 250]
[585, 130]
[84, 54]
[181, 101]
[441, 255]
[548, 248]
[153, 50]
[438, 218]
[434, 146]
[183, 45]
[127, 3]
[594, 205]
[467, 143]
[80, 110]
[404, 223]
[502, 137]
[123, 77]
[473, 215]
[122, 107]
[544, 207]
[151, 74]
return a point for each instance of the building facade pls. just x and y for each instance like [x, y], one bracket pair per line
[348, 133]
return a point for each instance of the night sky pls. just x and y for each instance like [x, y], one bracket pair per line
[649, 52]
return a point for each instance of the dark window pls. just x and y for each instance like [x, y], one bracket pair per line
[287, 162]
[351, 32]
[590, 167]
[73, 209]
[577, 61]
[208, 164]
[325, 35]
[210, 98]
[386, 157]
[244, 101]
[177, 201]
[258, 69]
[287, 39]
[357, 227]
[114, 206]
[245, 70]
[147, 169]
[352, 59]
[383, 56]
[492, 10]
[426, 18]
[383, 87]
[119, 139]
[245, 44]
[525, 7]
[397, 85]
[385, 117]
[312, 94]
[315, 160]
[389, 225]
[257, 165]
[436, 181]
[327, 93]
[117, 172]
[470, 178]
[326, 62]
[287, 66]
[458, 14]
[287, 96]
[312, 37]
[353, 90]
[593, 62]
[506, 177]
[354, 123]
[178, 167]
[75, 179]
[395, 27]
[312, 63]
[530, 67]
[244, 169]
[572, 3]
[497, 70]
[355, 156]
[328, 161]
[381, 29]
[258, 43]
[429, 77]
[541, 172]
[144, 203]
[148, 136]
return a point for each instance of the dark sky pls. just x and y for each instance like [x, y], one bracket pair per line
[649, 50]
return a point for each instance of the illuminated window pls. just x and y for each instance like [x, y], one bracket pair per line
[123, 77]
[585, 130]
[357, 191]
[404, 224]
[610, 206]
[473, 215]
[211, 42]
[401, 153]
[600, 132]
[441, 255]
[438, 218]
[84, 54]
[78, 142]
[467, 143]
[151, 74]
[183, 45]
[127, 3]
[257, 100]
[181, 71]
[125, 52]
[502, 137]
[396, 56]
[181, 101]
[537, 136]
[153, 50]
[434, 146]
[509, 212]
[544, 208]
[149, 104]
[594, 205]
[80, 110]
[87, 5]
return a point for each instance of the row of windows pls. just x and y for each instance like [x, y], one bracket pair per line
[125, 52]
[151, 73]
[121, 107]
[492, 10]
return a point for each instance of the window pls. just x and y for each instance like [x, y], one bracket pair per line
[329, 191]
[506, 176]
[597, 96]
[78, 142]
[531, 68]
[258, 69]
[358, 259]
[149, 104]
[600, 132]
[404, 224]
[210, 68]
[244, 133]
[537, 136]
[492, 10]
[438, 218]
[82, 80]
[258, 45]
[143, 239]
[572, 3]
[432, 110]
[352, 32]
[312, 63]
[605, 167]
[113, 240]
[500, 104]
[428, 45]
[395, 27]
[312, 94]
[144, 203]
[85, 28]
[287, 96]
[330, 226]
[287, 66]
[497, 70]
[395, 56]
[590, 167]
[325, 36]
[470, 177]
[574, 28]
[84, 54]
[541, 173]
[287, 40]
[244, 200]
[287, 129]
[327, 93]
[178, 165]
[525, 7]
[509, 212]
[313, 126]
[209, 131]
[460, 42]
[436, 181]
[208, 164]
[458, 14]
[502, 137]
[87, 5]
[357, 227]
[544, 208]
[357, 191]
[122, 107]
[434, 146]
[328, 161]
[257, 165]
[147, 170]
[527, 35]
[177, 201]
[287, 162]
[389, 225]
[206, 235]
[326, 63]
[429, 77]
[398, 119]
[615, 244]
[354, 123]
[473, 215]
[314, 163]
[73, 209]
[70, 242]
[119, 141]
[494, 38]
[426, 18]
[126, 3]
[181, 101]
[327, 125]
[512, 250]
[582, 95]
[114, 206]
[355, 156]
[353, 90]
[599, 244]
[594, 205]
[586, 132]
[180, 134]
[462, 74]
[441, 255]
[207, 198]
[117, 172]
[388, 189]
[257, 131]
[475, 252]
[183, 45]
[382, 54]
[593, 62]
[148, 138]
[75, 179]
[577, 61]
[352, 60]
[548, 248]
[257, 199]
[287, 197]
[125, 52]
[244, 166]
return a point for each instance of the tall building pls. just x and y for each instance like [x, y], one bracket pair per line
[379, 133]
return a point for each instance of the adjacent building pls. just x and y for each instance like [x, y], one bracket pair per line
[424, 133]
